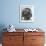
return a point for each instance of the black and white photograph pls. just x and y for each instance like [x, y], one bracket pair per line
[26, 13]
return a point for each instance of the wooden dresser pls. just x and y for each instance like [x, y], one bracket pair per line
[23, 38]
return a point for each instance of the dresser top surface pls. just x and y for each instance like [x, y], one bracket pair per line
[22, 30]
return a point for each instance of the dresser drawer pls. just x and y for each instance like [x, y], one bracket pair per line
[37, 44]
[37, 39]
[13, 33]
[12, 39]
[13, 44]
[34, 33]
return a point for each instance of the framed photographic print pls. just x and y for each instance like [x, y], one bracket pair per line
[26, 13]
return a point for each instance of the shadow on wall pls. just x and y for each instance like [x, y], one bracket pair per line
[2, 26]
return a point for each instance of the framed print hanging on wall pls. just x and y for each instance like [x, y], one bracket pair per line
[26, 13]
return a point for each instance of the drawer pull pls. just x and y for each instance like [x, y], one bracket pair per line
[33, 39]
[10, 38]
